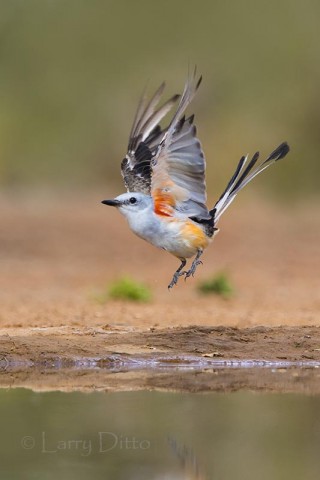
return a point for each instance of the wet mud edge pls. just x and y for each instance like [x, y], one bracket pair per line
[185, 359]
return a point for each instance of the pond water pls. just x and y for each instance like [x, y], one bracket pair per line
[159, 436]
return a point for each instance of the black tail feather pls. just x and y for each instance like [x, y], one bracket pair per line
[246, 172]
[279, 153]
[234, 176]
[241, 177]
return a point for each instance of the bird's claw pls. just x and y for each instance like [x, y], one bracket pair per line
[175, 279]
[192, 269]
[185, 273]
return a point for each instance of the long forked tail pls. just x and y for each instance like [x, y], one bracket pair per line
[243, 175]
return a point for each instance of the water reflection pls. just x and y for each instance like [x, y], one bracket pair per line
[190, 468]
[152, 436]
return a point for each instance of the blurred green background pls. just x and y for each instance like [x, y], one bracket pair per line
[71, 73]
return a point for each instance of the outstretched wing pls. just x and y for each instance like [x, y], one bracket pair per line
[178, 167]
[144, 140]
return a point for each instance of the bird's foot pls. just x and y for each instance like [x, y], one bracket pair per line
[175, 279]
[192, 269]
[177, 274]
[194, 265]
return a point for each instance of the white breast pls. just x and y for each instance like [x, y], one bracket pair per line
[161, 233]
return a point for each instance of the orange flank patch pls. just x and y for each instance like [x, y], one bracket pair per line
[195, 235]
[163, 202]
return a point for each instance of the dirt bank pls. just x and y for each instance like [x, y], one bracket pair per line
[189, 359]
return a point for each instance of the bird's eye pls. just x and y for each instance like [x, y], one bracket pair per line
[132, 200]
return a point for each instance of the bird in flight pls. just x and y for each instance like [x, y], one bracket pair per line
[164, 173]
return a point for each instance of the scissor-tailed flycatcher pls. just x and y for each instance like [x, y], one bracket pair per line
[164, 173]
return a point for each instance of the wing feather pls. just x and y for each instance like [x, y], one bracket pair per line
[144, 109]
[145, 136]
[178, 168]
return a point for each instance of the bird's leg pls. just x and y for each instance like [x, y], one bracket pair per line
[178, 273]
[194, 265]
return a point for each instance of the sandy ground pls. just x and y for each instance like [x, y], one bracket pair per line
[57, 251]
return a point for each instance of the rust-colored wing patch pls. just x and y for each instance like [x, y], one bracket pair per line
[167, 194]
[163, 202]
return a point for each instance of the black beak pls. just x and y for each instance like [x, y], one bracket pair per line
[111, 203]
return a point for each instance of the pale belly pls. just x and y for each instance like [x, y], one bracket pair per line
[181, 238]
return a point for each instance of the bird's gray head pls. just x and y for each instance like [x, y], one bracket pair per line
[130, 203]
